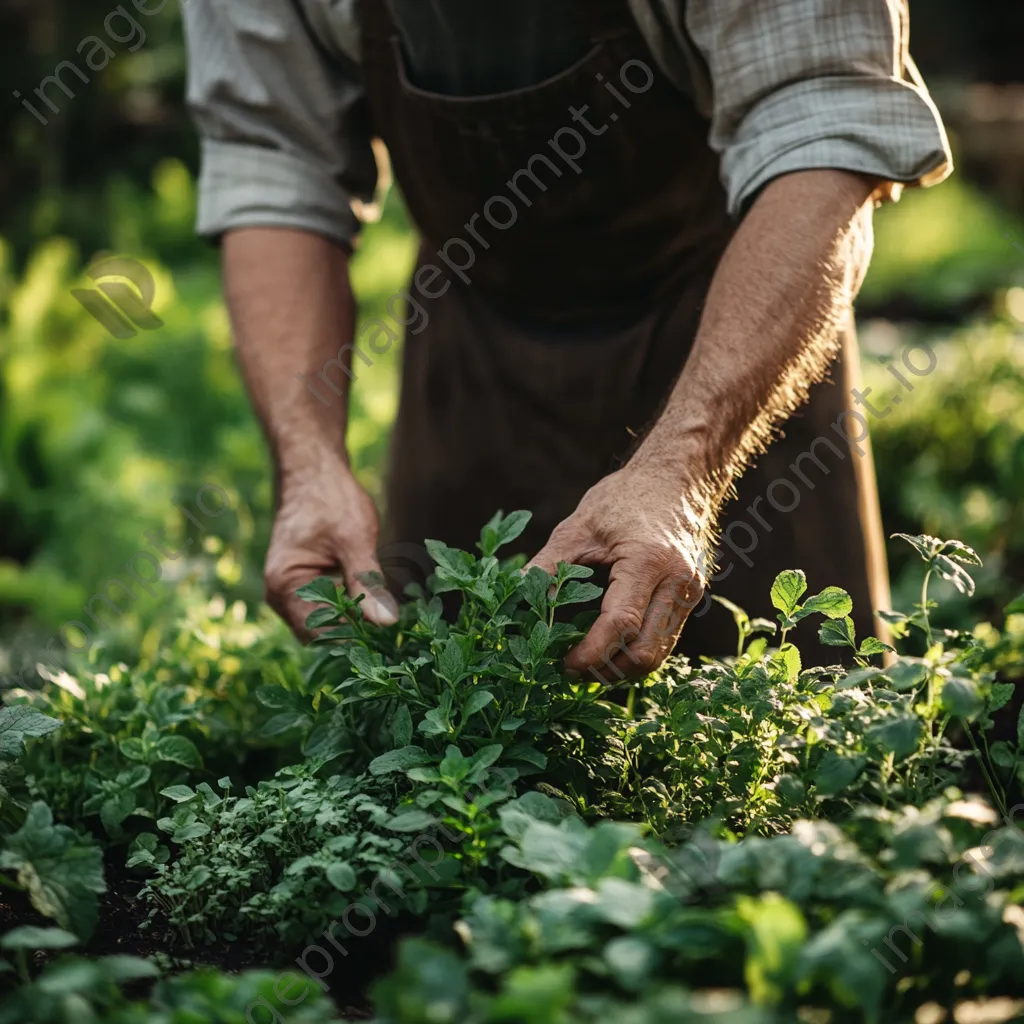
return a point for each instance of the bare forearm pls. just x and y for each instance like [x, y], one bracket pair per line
[292, 310]
[770, 329]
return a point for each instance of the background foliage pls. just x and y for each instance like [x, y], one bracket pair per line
[99, 437]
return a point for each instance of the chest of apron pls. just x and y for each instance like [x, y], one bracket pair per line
[589, 194]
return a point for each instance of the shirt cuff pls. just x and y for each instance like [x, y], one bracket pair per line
[877, 126]
[243, 185]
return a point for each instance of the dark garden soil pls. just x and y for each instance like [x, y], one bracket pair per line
[122, 929]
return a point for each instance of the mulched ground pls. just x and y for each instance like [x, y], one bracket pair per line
[121, 930]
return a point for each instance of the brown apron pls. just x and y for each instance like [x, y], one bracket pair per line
[535, 378]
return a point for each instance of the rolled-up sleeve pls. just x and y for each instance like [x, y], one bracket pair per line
[805, 84]
[283, 131]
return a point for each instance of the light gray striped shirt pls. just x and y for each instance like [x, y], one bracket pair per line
[275, 89]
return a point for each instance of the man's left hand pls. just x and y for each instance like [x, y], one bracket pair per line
[634, 521]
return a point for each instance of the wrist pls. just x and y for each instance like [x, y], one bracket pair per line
[307, 461]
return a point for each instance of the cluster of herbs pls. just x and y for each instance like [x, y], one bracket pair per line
[776, 823]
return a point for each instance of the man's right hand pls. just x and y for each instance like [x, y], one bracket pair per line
[325, 526]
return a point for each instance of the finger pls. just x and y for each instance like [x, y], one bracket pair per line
[671, 604]
[282, 581]
[568, 543]
[364, 576]
[620, 622]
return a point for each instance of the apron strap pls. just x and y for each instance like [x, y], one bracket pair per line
[375, 20]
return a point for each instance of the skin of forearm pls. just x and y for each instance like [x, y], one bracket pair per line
[292, 309]
[770, 328]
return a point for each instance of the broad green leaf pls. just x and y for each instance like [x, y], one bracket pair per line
[276, 697]
[776, 932]
[1015, 607]
[412, 821]
[872, 645]
[898, 736]
[576, 592]
[133, 748]
[510, 527]
[836, 772]
[177, 793]
[838, 633]
[925, 545]
[341, 876]
[567, 571]
[286, 721]
[791, 658]
[322, 589]
[960, 697]
[399, 760]
[478, 700]
[789, 586]
[401, 726]
[321, 617]
[435, 723]
[832, 602]
[178, 749]
[188, 832]
[632, 960]
[906, 674]
[62, 871]
[31, 937]
[534, 586]
[451, 662]
[20, 722]
[955, 573]
[1000, 695]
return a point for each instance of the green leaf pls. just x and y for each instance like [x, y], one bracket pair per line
[534, 586]
[1020, 729]
[322, 589]
[179, 750]
[178, 794]
[286, 721]
[791, 658]
[838, 633]
[836, 772]
[321, 617]
[872, 645]
[401, 726]
[435, 723]
[510, 527]
[899, 736]
[776, 932]
[134, 749]
[906, 674]
[1000, 695]
[832, 602]
[399, 760]
[188, 832]
[960, 697]
[925, 545]
[341, 876]
[62, 871]
[412, 821]
[451, 663]
[31, 937]
[20, 722]
[789, 586]
[575, 592]
[1015, 607]
[478, 700]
